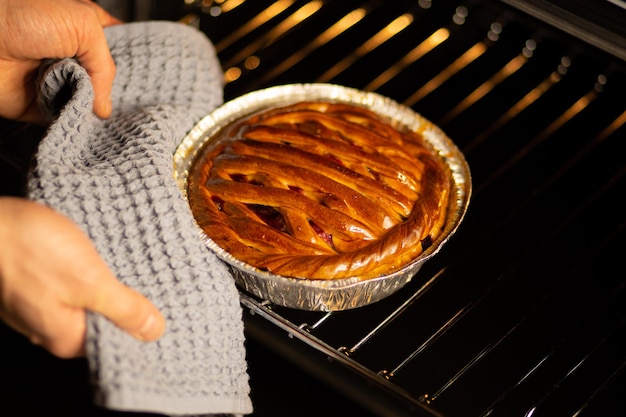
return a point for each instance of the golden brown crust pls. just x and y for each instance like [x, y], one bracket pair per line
[320, 190]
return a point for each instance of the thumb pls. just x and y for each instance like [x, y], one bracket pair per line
[94, 55]
[101, 68]
[128, 309]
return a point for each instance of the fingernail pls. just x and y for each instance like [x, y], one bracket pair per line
[146, 329]
[153, 327]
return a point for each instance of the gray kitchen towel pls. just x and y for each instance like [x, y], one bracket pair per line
[114, 178]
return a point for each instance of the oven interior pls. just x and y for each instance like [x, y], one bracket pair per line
[524, 311]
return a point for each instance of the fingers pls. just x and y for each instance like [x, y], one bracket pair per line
[17, 93]
[64, 336]
[54, 326]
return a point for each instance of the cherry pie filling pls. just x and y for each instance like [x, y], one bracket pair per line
[320, 190]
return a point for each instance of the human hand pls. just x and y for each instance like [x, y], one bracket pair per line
[32, 30]
[50, 275]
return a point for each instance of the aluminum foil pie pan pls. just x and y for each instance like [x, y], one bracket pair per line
[344, 293]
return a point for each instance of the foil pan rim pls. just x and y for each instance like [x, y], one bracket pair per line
[334, 294]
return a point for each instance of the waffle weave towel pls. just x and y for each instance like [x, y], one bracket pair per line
[114, 179]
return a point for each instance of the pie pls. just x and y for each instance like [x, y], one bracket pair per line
[320, 190]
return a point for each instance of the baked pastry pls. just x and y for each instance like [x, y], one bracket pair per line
[320, 190]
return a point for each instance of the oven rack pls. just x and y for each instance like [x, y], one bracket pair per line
[517, 315]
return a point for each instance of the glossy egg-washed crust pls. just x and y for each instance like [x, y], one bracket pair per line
[320, 190]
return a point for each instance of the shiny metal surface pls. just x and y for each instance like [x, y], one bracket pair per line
[340, 294]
